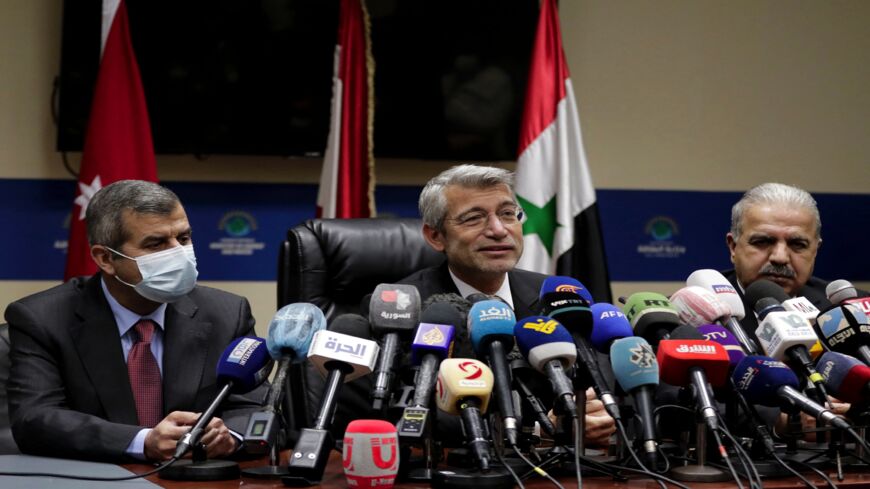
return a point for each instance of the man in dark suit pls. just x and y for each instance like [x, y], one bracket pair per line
[117, 366]
[470, 214]
[775, 235]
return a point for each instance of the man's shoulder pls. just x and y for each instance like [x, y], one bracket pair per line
[529, 275]
[205, 292]
[69, 291]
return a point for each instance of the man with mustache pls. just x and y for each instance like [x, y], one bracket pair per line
[775, 235]
[471, 215]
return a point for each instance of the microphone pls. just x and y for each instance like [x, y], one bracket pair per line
[575, 314]
[769, 382]
[288, 341]
[432, 343]
[696, 305]
[370, 454]
[847, 377]
[717, 283]
[845, 329]
[636, 370]
[560, 283]
[608, 325]
[714, 332]
[491, 327]
[651, 315]
[549, 349]
[463, 387]
[785, 335]
[244, 365]
[394, 311]
[342, 353]
[684, 362]
[843, 292]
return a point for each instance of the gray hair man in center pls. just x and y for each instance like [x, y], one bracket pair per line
[470, 214]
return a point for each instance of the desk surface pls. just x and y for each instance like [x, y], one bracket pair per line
[334, 479]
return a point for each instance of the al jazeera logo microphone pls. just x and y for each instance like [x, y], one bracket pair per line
[371, 454]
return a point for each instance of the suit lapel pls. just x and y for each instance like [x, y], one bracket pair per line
[99, 347]
[525, 297]
[185, 349]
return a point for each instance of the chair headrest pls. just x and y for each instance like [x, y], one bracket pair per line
[332, 262]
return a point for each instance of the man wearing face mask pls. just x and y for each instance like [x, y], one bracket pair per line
[118, 366]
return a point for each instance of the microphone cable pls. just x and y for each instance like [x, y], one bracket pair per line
[748, 467]
[724, 454]
[538, 470]
[577, 443]
[788, 467]
[98, 479]
[501, 459]
[620, 428]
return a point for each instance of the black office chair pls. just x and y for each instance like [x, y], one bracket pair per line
[333, 264]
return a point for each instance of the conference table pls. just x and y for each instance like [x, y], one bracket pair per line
[334, 479]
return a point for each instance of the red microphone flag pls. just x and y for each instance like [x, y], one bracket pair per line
[347, 180]
[118, 142]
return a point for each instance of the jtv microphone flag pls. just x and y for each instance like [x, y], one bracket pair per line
[554, 187]
[118, 140]
[347, 182]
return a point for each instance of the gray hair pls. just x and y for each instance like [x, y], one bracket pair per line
[433, 203]
[773, 193]
[106, 208]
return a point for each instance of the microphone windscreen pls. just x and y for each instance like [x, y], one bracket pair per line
[608, 324]
[686, 332]
[432, 338]
[634, 363]
[697, 305]
[478, 296]
[840, 290]
[714, 332]
[766, 305]
[649, 311]
[759, 378]
[370, 454]
[291, 330]
[445, 313]
[541, 339]
[559, 283]
[489, 321]
[461, 378]
[394, 308]
[351, 324]
[364, 304]
[677, 357]
[762, 288]
[571, 310]
[845, 376]
[246, 363]
[717, 283]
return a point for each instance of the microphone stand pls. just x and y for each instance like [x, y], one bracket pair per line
[700, 472]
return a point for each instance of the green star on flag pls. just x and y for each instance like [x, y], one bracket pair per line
[541, 221]
[553, 183]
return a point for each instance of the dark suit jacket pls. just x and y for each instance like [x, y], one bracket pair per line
[813, 290]
[69, 392]
[7, 444]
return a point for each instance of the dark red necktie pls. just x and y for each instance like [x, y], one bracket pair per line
[145, 376]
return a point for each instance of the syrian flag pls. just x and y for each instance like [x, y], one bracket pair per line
[118, 140]
[347, 182]
[562, 230]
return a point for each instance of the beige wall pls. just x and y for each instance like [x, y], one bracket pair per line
[673, 94]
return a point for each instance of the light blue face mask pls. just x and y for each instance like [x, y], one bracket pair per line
[167, 275]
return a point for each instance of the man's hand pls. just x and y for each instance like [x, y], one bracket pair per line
[808, 423]
[161, 440]
[599, 424]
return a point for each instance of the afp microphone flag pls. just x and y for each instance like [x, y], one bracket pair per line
[562, 230]
[118, 140]
[347, 180]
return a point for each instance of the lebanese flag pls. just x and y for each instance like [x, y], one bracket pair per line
[562, 229]
[118, 140]
[347, 182]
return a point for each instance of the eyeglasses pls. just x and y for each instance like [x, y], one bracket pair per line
[478, 219]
